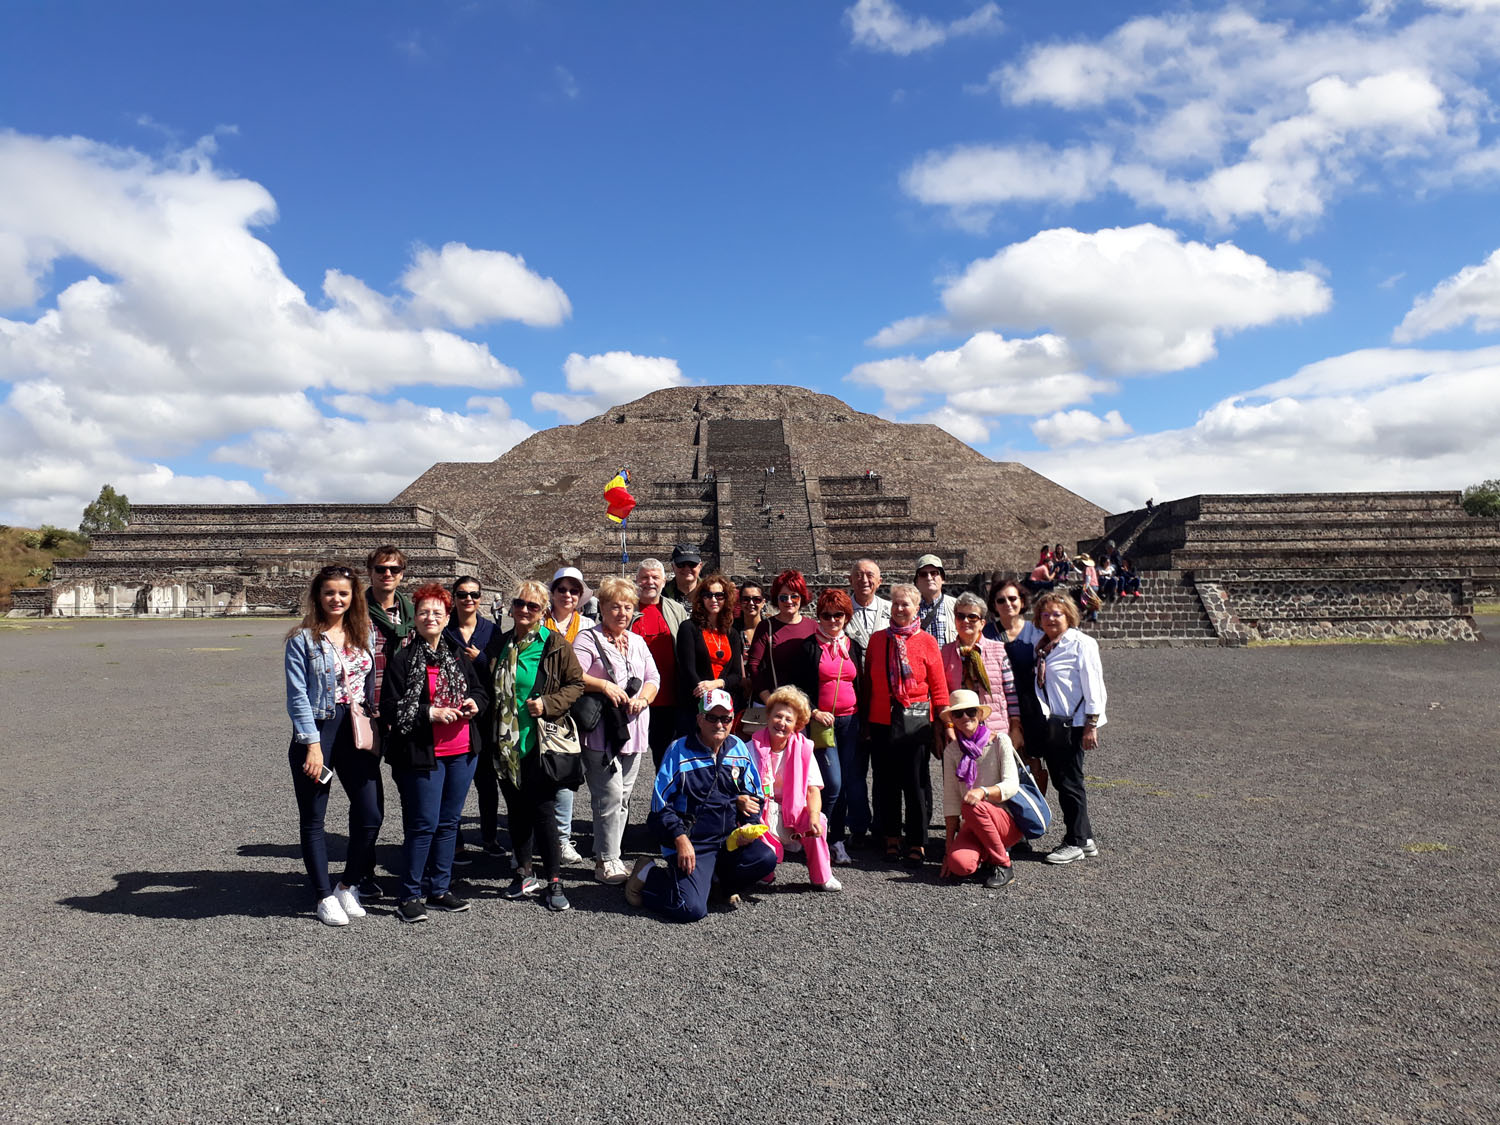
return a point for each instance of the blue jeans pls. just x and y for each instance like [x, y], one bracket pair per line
[830, 766]
[359, 773]
[684, 898]
[565, 815]
[851, 801]
[432, 801]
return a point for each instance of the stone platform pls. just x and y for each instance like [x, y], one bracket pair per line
[1230, 569]
[208, 559]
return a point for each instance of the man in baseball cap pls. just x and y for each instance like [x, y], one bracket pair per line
[707, 785]
[686, 562]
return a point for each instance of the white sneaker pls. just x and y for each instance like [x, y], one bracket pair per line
[610, 872]
[1089, 848]
[349, 900]
[832, 885]
[330, 913]
[569, 854]
[839, 855]
[619, 870]
[1065, 853]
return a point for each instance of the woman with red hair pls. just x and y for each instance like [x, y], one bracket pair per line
[776, 651]
[429, 701]
[829, 674]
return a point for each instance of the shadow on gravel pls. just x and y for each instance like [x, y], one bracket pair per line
[191, 895]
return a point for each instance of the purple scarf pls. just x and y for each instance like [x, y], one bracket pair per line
[973, 749]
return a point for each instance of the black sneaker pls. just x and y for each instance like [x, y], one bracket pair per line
[999, 877]
[463, 856]
[448, 901]
[522, 886]
[555, 899]
[369, 890]
[412, 910]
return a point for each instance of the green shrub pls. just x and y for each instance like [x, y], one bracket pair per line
[1483, 499]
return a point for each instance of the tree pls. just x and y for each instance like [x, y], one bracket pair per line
[1483, 499]
[111, 512]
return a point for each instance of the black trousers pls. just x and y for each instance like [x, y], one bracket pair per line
[903, 783]
[532, 807]
[1066, 768]
[487, 792]
[663, 731]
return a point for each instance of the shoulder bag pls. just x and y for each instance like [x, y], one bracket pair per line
[1028, 808]
[561, 752]
[908, 720]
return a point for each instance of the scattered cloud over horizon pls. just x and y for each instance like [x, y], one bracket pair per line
[882, 25]
[598, 382]
[186, 337]
[1471, 296]
[1219, 117]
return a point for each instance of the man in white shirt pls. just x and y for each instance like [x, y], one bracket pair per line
[872, 613]
[935, 613]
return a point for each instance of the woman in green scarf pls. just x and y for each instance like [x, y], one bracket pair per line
[536, 676]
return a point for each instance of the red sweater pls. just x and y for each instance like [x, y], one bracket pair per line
[927, 671]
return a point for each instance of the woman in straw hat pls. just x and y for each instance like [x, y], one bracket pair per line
[979, 776]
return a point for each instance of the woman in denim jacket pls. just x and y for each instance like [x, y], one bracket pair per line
[329, 670]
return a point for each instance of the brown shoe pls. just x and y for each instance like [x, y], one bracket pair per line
[637, 881]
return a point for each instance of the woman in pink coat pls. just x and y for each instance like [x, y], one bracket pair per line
[793, 808]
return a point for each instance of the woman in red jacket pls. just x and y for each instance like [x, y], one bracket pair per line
[906, 690]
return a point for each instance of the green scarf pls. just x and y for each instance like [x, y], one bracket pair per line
[976, 679]
[392, 630]
[514, 727]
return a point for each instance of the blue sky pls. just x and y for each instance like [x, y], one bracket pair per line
[303, 251]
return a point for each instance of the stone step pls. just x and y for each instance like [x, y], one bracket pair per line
[895, 560]
[272, 542]
[850, 486]
[219, 515]
[1331, 502]
[881, 531]
[866, 507]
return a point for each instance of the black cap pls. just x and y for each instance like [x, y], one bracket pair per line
[685, 553]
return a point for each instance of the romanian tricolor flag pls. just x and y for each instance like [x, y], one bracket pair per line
[617, 494]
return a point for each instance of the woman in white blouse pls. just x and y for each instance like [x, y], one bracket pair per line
[617, 664]
[1070, 687]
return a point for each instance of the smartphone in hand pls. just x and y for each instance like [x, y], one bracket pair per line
[326, 776]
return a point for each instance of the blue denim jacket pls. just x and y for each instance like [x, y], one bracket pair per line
[312, 683]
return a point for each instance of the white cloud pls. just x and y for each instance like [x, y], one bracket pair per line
[1068, 427]
[598, 382]
[1130, 299]
[1013, 373]
[185, 333]
[1221, 117]
[1472, 294]
[965, 425]
[465, 287]
[1435, 430]
[882, 25]
[376, 450]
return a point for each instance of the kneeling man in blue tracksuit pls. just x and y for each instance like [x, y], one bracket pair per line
[708, 783]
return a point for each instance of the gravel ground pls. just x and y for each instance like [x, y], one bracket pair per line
[1293, 918]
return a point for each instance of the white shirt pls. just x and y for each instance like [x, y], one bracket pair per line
[1074, 674]
[868, 619]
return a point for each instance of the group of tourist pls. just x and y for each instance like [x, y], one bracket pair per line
[777, 724]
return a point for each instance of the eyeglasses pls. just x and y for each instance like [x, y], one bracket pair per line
[467, 595]
[718, 719]
[830, 617]
[717, 595]
[788, 597]
[968, 617]
[388, 569]
[522, 603]
[966, 713]
[752, 601]
[570, 591]
[929, 573]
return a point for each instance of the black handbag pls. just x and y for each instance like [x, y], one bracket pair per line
[588, 709]
[908, 720]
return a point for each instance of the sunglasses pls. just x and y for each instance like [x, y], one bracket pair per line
[571, 591]
[968, 617]
[717, 595]
[1012, 598]
[467, 595]
[830, 617]
[788, 597]
[966, 713]
[719, 720]
[753, 601]
[388, 569]
[522, 603]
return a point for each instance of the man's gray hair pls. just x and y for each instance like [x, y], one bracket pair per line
[865, 562]
[651, 564]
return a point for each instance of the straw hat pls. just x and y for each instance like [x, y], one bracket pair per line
[962, 700]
